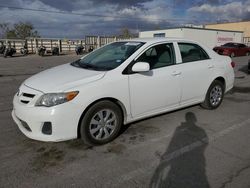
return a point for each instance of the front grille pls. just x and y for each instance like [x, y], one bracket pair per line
[25, 98]
[25, 102]
[28, 95]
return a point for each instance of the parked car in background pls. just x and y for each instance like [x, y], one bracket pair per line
[233, 49]
[119, 83]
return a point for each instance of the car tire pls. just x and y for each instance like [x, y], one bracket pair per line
[101, 123]
[214, 95]
[232, 55]
[248, 54]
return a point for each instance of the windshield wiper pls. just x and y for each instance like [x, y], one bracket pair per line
[88, 66]
[78, 63]
[83, 65]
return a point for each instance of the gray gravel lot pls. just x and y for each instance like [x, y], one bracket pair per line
[188, 148]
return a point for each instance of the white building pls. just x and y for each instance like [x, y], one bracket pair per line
[209, 37]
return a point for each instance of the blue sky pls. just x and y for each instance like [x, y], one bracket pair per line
[108, 17]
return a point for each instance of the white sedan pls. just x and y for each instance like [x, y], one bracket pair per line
[119, 83]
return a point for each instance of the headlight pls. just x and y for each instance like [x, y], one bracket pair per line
[52, 99]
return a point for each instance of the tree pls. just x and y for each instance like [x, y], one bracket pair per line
[19, 30]
[4, 28]
[125, 33]
[10, 34]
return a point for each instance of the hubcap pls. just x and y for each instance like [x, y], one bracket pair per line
[103, 124]
[215, 95]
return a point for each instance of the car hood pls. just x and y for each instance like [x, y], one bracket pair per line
[62, 78]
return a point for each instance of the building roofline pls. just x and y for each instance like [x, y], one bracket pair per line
[208, 29]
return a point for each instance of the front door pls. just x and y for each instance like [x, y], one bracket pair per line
[158, 89]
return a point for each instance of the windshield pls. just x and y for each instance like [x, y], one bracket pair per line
[109, 56]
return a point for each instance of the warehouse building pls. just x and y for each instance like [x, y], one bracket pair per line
[209, 37]
[238, 26]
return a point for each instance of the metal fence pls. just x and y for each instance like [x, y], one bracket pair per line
[34, 43]
[65, 45]
[98, 41]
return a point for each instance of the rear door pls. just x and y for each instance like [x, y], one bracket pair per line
[196, 72]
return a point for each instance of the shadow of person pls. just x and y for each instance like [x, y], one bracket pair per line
[183, 164]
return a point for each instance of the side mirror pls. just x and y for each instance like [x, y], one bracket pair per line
[141, 67]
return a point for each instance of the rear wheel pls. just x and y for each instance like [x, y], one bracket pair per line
[214, 95]
[101, 123]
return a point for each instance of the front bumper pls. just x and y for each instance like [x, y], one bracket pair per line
[30, 119]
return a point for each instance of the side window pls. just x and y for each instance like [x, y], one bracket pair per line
[192, 52]
[242, 46]
[161, 55]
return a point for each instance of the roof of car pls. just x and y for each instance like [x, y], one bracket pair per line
[159, 39]
[235, 43]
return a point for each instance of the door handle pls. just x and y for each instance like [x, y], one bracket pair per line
[176, 73]
[210, 66]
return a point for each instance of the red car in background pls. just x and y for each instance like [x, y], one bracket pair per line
[233, 49]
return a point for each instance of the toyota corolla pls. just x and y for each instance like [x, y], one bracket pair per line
[93, 97]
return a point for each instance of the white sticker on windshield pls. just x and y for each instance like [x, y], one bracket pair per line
[132, 43]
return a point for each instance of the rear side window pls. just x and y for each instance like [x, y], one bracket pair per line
[242, 46]
[192, 52]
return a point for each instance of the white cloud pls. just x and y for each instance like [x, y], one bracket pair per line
[232, 11]
[149, 15]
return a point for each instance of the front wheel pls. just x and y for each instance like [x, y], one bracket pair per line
[101, 123]
[214, 95]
